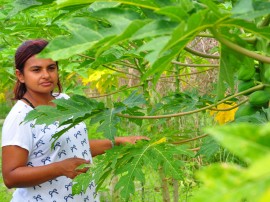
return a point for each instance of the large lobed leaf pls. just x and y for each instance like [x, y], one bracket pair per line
[229, 182]
[70, 112]
[130, 161]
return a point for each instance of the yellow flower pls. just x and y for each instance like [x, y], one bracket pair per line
[223, 116]
[2, 97]
[102, 80]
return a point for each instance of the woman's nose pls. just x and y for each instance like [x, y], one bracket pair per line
[45, 74]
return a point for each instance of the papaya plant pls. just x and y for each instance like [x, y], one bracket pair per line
[150, 41]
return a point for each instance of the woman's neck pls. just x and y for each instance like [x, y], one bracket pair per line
[39, 99]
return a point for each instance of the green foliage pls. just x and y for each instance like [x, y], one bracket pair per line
[129, 162]
[69, 113]
[149, 37]
[230, 182]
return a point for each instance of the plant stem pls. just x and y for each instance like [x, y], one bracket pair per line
[104, 95]
[258, 87]
[240, 49]
[190, 140]
[195, 65]
[201, 54]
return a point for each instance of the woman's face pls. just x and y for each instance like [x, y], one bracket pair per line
[39, 75]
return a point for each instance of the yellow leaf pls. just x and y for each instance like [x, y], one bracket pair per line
[162, 140]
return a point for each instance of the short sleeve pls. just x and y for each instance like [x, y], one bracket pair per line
[15, 132]
[61, 95]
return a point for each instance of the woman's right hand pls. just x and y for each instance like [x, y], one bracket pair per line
[69, 167]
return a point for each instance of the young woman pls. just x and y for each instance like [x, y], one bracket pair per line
[28, 163]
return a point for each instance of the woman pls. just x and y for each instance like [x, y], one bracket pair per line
[28, 163]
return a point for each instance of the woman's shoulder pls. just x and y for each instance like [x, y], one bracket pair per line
[18, 112]
[61, 95]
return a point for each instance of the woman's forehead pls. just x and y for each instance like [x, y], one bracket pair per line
[35, 61]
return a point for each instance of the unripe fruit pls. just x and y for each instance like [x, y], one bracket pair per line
[246, 73]
[259, 98]
[245, 110]
[245, 85]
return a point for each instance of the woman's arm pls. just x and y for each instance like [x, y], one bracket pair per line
[16, 173]
[100, 146]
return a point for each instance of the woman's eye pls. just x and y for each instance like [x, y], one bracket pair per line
[35, 70]
[52, 68]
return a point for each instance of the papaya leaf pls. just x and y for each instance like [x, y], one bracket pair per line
[134, 111]
[20, 5]
[154, 28]
[214, 8]
[81, 183]
[250, 10]
[110, 120]
[101, 5]
[263, 32]
[228, 182]
[134, 99]
[85, 36]
[222, 182]
[209, 148]
[129, 163]
[68, 112]
[176, 13]
[82, 38]
[186, 31]
[125, 35]
[150, 4]
[250, 141]
[153, 48]
[226, 71]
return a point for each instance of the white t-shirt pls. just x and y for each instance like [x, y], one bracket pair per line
[37, 140]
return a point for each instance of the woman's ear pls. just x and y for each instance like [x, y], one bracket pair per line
[20, 75]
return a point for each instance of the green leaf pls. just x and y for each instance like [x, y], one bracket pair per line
[129, 163]
[82, 39]
[96, 6]
[250, 10]
[209, 148]
[66, 109]
[154, 28]
[153, 48]
[134, 99]
[214, 8]
[262, 32]
[85, 35]
[250, 142]
[243, 6]
[110, 120]
[226, 71]
[150, 4]
[228, 182]
[221, 183]
[67, 112]
[81, 183]
[196, 23]
[174, 12]
[128, 31]
[20, 5]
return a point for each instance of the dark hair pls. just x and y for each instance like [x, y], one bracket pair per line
[26, 50]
